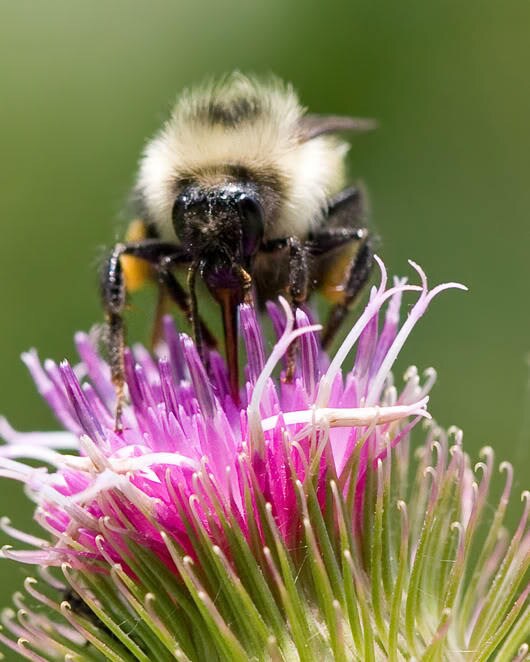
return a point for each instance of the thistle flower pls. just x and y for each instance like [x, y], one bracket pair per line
[296, 526]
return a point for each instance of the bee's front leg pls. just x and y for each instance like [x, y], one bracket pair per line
[298, 291]
[114, 297]
[178, 295]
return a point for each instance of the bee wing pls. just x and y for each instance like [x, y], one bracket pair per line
[312, 125]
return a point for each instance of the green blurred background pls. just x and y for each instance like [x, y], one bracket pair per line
[83, 84]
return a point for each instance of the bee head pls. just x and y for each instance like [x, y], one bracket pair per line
[222, 226]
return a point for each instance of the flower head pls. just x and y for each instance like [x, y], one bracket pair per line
[287, 527]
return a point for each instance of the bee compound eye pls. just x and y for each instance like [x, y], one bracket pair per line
[251, 214]
[178, 213]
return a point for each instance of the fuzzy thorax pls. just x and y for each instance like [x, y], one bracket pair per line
[247, 126]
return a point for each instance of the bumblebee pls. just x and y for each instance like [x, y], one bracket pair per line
[245, 190]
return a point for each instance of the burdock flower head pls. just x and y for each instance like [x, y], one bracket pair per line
[295, 526]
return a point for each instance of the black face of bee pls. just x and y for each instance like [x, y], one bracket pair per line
[222, 228]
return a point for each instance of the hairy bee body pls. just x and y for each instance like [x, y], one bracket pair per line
[238, 129]
[244, 189]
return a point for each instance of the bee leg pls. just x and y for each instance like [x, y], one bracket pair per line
[170, 285]
[114, 297]
[346, 210]
[358, 274]
[298, 291]
[342, 257]
[162, 309]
